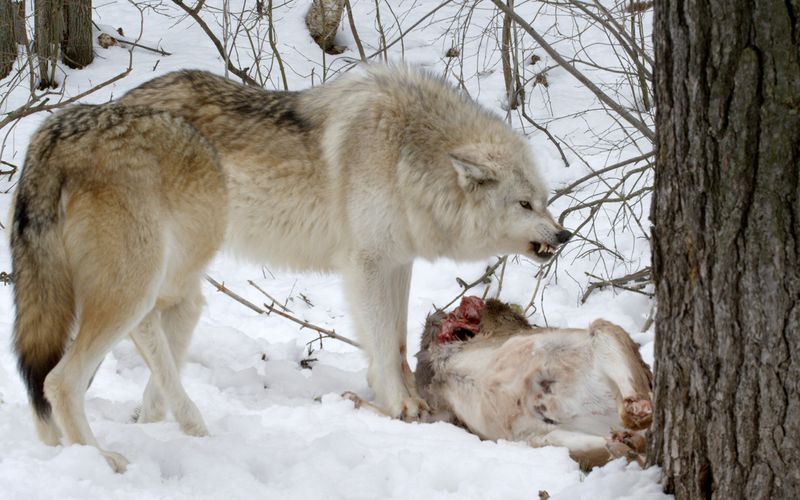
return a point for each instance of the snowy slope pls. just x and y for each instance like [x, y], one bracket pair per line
[279, 430]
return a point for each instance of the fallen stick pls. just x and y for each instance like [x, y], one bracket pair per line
[271, 309]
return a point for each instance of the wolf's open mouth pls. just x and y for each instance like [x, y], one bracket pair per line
[542, 250]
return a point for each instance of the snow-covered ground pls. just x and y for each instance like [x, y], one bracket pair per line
[279, 429]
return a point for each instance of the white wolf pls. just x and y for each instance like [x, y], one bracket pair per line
[361, 176]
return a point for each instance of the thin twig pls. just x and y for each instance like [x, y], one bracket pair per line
[547, 133]
[566, 190]
[134, 44]
[607, 198]
[305, 324]
[352, 22]
[410, 29]
[273, 43]
[271, 309]
[29, 108]
[195, 14]
[539, 276]
[13, 170]
[602, 96]
[482, 279]
[270, 297]
[641, 277]
[501, 278]
[238, 298]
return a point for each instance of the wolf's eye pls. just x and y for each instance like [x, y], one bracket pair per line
[526, 205]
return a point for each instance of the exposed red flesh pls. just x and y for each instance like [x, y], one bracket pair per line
[467, 316]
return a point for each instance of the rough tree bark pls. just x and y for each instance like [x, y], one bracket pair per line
[20, 31]
[76, 45]
[48, 28]
[726, 248]
[8, 44]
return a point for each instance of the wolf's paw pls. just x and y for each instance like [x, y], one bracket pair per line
[636, 413]
[147, 414]
[191, 421]
[194, 428]
[412, 409]
[117, 462]
[355, 398]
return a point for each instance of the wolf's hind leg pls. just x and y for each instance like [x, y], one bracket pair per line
[152, 344]
[65, 386]
[178, 323]
[113, 295]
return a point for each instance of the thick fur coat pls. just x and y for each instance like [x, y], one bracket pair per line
[120, 207]
[117, 213]
[361, 176]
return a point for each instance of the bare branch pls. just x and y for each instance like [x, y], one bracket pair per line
[271, 309]
[270, 297]
[548, 134]
[602, 96]
[195, 14]
[352, 22]
[566, 190]
[490, 270]
[633, 282]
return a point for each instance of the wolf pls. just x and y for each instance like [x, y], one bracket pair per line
[361, 176]
[486, 368]
[117, 212]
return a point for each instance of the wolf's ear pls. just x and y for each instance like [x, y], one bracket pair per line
[471, 174]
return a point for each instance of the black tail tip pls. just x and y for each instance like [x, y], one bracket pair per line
[42, 407]
[33, 377]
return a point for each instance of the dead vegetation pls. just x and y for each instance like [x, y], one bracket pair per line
[540, 47]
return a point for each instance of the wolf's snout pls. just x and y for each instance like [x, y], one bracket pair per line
[563, 236]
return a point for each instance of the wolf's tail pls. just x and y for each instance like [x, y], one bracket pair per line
[43, 290]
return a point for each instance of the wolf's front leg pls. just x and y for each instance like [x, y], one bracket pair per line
[378, 296]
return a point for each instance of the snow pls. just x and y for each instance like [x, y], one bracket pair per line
[278, 430]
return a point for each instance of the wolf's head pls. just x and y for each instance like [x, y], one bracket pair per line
[500, 178]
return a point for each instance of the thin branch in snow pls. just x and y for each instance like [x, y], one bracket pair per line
[271, 309]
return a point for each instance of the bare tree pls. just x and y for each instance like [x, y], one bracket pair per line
[77, 38]
[8, 44]
[48, 28]
[726, 248]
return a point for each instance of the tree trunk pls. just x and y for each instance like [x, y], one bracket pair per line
[76, 48]
[8, 44]
[20, 30]
[726, 248]
[48, 29]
